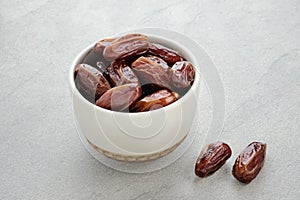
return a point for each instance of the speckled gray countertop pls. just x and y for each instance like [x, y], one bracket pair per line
[255, 45]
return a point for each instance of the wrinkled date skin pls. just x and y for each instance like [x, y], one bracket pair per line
[90, 81]
[154, 101]
[212, 158]
[169, 55]
[249, 163]
[121, 97]
[182, 74]
[124, 45]
[152, 69]
[119, 74]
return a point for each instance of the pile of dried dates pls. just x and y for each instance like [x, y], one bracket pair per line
[246, 167]
[131, 74]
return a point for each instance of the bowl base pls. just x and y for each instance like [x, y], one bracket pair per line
[157, 163]
[136, 158]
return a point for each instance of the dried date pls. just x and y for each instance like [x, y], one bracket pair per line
[152, 70]
[119, 74]
[155, 101]
[124, 45]
[212, 158]
[249, 163]
[182, 75]
[132, 55]
[169, 55]
[120, 97]
[100, 45]
[90, 81]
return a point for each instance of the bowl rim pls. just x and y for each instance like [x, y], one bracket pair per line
[162, 40]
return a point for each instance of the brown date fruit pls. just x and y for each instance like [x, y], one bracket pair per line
[152, 69]
[120, 97]
[182, 74]
[124, 45]
[91, 81]
[132, 56]
[100, 45]
[154, 101]
[249, 163]
[212, 158]
[119, 74]
[169, 55]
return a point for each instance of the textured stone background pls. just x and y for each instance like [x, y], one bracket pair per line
[255, 46]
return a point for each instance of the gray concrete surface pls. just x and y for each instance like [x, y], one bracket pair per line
[255, 45]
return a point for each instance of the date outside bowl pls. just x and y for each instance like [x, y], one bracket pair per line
[141, 136]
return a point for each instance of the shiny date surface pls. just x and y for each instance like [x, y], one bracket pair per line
[124, 45]
[119, 98]
[182, 74]
[90, 81]
[169, 55]
[119, 74]
[212, 158]
[249, 163]
[152, 70]
[155, 101]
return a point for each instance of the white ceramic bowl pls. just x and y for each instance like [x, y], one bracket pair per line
[137, 136]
